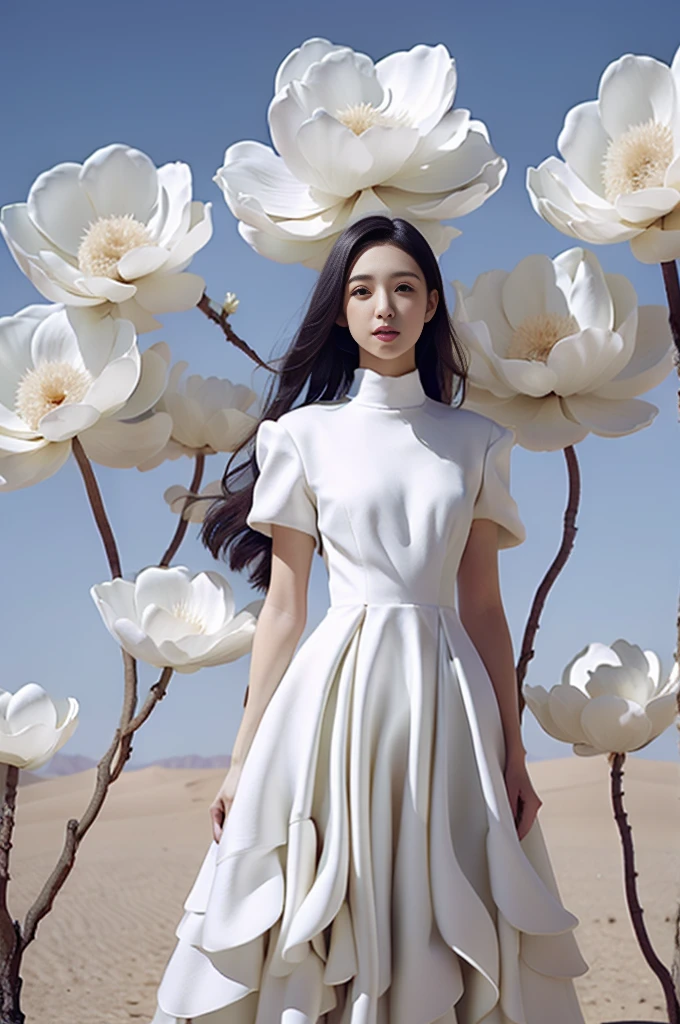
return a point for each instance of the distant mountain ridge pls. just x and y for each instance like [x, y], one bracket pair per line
[69, 764]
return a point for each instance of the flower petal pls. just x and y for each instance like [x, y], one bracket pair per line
[566, 705]
[169, 293]
[116, 383]
[652, 358]
[614, 725]
[16, 334]
[660, 243]
[175, 189]
[59, 207]
[421, 81]
[118, 180]
[251, 168]
[661, 713]
[583, 143]
[198, 235]
[64, 422]
[647, 205]
[119, 445]
[589, 298]
[621, 681]
[151, 384]
[54, 341]
[586, 357]
[145, 259]
[634, 90]
[531, 289]
[164, 587]
[18, 471]
[537, 700]
[611, 418]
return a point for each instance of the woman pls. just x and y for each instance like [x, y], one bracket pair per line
[377, 855]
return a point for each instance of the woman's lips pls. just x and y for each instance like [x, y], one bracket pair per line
[386, 335]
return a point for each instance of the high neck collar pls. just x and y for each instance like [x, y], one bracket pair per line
[383, 391]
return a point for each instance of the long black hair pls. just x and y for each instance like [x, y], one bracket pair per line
[324, 356]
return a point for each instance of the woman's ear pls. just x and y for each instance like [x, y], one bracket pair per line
[432, 303]
[341, 321]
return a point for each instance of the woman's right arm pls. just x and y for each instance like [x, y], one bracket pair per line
[280, 625]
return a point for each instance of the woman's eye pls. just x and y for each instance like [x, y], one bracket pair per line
[362, 289]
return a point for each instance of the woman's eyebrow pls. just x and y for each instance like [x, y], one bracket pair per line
[369, 277]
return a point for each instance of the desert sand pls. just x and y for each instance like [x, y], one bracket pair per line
[99, 954]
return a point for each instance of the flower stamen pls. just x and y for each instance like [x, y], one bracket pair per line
[358, 117]
[46, 387]
[106, 241]
[184, 611]
[537, 335]
[638, 159]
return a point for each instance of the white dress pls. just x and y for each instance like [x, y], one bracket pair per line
[369, 871]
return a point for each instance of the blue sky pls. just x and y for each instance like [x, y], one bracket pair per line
[184, 83]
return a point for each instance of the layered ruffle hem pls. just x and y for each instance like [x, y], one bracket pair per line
[369, 871]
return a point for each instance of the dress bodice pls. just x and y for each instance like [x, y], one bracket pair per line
[388, 481]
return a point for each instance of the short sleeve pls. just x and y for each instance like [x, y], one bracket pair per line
[494, 500]
[281, 493]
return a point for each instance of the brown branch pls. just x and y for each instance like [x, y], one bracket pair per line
[183, 524]
[155, 694]
[222, 320]
[560, 560]
[672, 286]
[76, 829]
[98, 510]
[616, 761]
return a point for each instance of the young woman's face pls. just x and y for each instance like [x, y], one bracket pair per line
[385, 288]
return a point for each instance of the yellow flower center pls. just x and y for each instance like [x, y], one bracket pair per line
[48, 386]
[637, 159]
[108, 239]
[537, 335]
[186, 613]
[360, 116]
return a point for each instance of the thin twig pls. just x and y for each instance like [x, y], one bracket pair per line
[220, 318]
[560, 560]
[616, 761]
[183, 524]
[97, 505]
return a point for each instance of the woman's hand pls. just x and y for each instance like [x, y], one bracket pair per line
[221, 805]
[524, 800]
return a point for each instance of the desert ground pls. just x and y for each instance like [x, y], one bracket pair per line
[99, 954]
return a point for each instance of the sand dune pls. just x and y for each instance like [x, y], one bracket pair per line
[99, 954]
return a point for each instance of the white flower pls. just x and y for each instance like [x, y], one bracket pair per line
[208, 415]
[620, 178]
[559, 349]
[230, 304]
[115, 229]
[33, 725]
[195, 511]
[73, 372]
[357, 138]
[170, 619]
[610, 700]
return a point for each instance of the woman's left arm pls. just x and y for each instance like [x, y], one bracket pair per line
[481, 612]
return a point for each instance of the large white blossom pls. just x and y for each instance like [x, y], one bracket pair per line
[559, 349]
[355, 138]
[610, 700]
[114, 230]
[34, 725]
[620, 177]
[170, 619]
[208, 415]
[67, 372]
